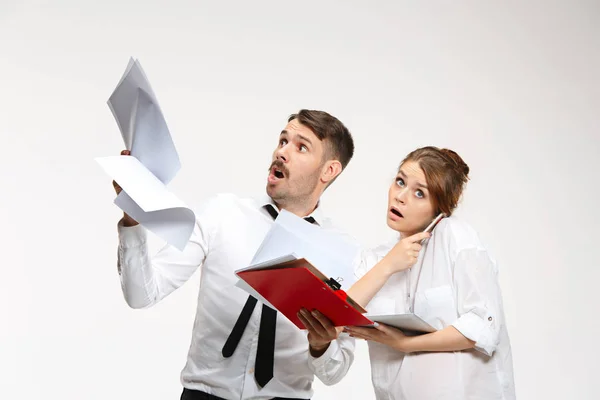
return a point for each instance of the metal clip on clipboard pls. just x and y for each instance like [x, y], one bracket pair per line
[337, 288]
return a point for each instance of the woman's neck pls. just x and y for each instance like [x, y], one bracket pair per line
[404, 235]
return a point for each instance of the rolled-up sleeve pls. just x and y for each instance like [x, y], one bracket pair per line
[478, 299]
[334, 364]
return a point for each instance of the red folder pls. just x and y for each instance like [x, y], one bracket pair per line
[297, 284]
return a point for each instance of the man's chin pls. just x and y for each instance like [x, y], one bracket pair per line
[272, 191]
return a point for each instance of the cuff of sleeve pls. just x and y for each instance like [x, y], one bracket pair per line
[480, 331]
[332, 351]
[131, 236]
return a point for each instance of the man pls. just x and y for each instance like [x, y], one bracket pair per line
[240, 350]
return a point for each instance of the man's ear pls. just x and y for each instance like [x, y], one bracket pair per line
[331, 170]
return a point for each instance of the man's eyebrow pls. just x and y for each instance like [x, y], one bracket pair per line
[305, 139]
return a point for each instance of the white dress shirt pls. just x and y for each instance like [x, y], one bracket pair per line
[227, 233]
[454, 282]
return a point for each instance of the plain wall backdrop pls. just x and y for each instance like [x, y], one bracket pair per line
[512, 86]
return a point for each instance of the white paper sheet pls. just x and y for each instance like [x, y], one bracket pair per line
[153, 162]
[326, 250]
[291, 238]
[152, 143]
[123, 99]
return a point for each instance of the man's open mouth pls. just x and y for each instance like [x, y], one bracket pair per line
[278, 170]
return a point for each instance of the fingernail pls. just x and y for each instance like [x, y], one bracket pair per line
[315, 313]
[375, 324]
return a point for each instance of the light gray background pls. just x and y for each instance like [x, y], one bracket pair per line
[511, 85]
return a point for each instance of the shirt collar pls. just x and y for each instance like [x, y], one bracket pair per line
[317, 214]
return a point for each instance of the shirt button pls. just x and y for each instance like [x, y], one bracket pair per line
[490, 318]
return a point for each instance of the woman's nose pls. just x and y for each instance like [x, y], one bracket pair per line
[401, 195]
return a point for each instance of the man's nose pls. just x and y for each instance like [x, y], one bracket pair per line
[282, 153]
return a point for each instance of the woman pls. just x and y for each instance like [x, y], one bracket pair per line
[449, 281]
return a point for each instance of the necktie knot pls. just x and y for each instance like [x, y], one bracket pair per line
[274, 213]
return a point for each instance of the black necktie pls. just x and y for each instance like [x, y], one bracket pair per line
[263, 371]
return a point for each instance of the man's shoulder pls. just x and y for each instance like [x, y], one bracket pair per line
[226, 200]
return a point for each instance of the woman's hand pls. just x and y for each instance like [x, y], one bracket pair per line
[383, 334]
[447, 339]
[402, 256]
[405, 253]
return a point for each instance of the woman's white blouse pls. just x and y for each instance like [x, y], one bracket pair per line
[454, 282]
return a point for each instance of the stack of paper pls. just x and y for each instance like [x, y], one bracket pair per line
[153, 163]
[292, 238]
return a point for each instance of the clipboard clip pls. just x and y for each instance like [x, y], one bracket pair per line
[337, 288]
[332, 283]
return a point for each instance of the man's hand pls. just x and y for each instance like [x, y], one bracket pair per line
[127, 220]
[321, 331]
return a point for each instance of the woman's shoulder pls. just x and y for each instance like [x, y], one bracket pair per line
[458, 234]
[372, 255]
